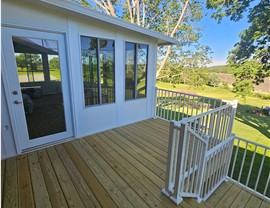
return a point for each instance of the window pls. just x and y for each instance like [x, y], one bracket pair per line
[98, 70]
[136, 70]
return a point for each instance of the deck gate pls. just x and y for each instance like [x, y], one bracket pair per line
[199, 153]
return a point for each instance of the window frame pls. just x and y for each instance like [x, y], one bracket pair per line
[136, 71]
[98, 68]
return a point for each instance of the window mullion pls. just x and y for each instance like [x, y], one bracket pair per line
[98, 66]
[136, 71]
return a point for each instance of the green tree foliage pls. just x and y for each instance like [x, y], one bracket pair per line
[20, 60]
[175, 18]
[29, 61]
[189, 68]
[245, 74]
[213, 80]
[54, 63]
[255, 40]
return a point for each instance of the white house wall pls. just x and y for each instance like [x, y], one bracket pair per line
[89, 120]
[8, 147]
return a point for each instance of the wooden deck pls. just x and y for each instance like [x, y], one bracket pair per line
[123, 167]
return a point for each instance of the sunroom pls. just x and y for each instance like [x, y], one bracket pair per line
[69, 71]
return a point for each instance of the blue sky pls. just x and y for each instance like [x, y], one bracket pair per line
[221, 37]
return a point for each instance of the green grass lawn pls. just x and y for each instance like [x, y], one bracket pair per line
[53, 72]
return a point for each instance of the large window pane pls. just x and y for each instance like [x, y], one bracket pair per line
[130, 70]
[136, 70]
[141, 70]
[90, 70]
[106, 57]
[39, 75]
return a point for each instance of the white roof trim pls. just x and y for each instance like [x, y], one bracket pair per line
[74, 9]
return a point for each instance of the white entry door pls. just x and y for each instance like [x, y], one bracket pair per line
[35, 77]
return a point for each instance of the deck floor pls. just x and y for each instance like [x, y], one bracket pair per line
[123, 167]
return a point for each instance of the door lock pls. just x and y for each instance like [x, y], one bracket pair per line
[17, 102]
[15, 92]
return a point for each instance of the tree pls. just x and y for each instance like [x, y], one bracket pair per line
[20, 60]
[255, 40]
[213, 80]
[245, 74]
[188, 69]
[54, 63]
[174, 18]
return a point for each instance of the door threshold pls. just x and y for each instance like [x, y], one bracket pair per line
[50, 144]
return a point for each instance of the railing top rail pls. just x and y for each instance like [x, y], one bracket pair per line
[251, 142]
[226, 101]
[193, 118]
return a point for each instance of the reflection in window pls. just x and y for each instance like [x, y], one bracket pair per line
[141, 70]
[39, 75]
[98, 70]
[130, 70]
[136, 70]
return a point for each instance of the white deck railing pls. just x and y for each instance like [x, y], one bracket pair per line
[250, 167]
[201, 151]
[199, 154]
[171, 105]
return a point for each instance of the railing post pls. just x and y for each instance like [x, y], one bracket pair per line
[169, 171]
[202, 170]
[155, 102]
[179, 174]
[234, 107]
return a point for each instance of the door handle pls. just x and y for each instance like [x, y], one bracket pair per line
[17, 102]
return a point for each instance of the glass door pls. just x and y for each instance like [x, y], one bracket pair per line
[38, 82]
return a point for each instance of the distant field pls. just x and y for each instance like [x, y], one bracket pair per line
[247, 125]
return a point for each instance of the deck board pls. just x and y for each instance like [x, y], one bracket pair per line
[84, 191]
[10, 193]
[122, 167]
[41, 196]
[71, 195]
[24, 183]
[56, 195]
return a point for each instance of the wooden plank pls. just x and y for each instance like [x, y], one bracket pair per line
[229, 197]
[10, 192]
[108, 185]
[138, 150]
[144, 135]
[118, 181]
[254, 202]
[160, 129]
[100, 193]
[241, 200]
[144, 145]
[84, 191]
[3, 163]
[194, 204]
[26, 198]
[147, 160]
[71, 195]
[129, 178]
[41, 196]
[55, 192]
[151, 133]
[152, 176]
[160, 124]
[265, 204]
[143, 177]
[219, 193]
